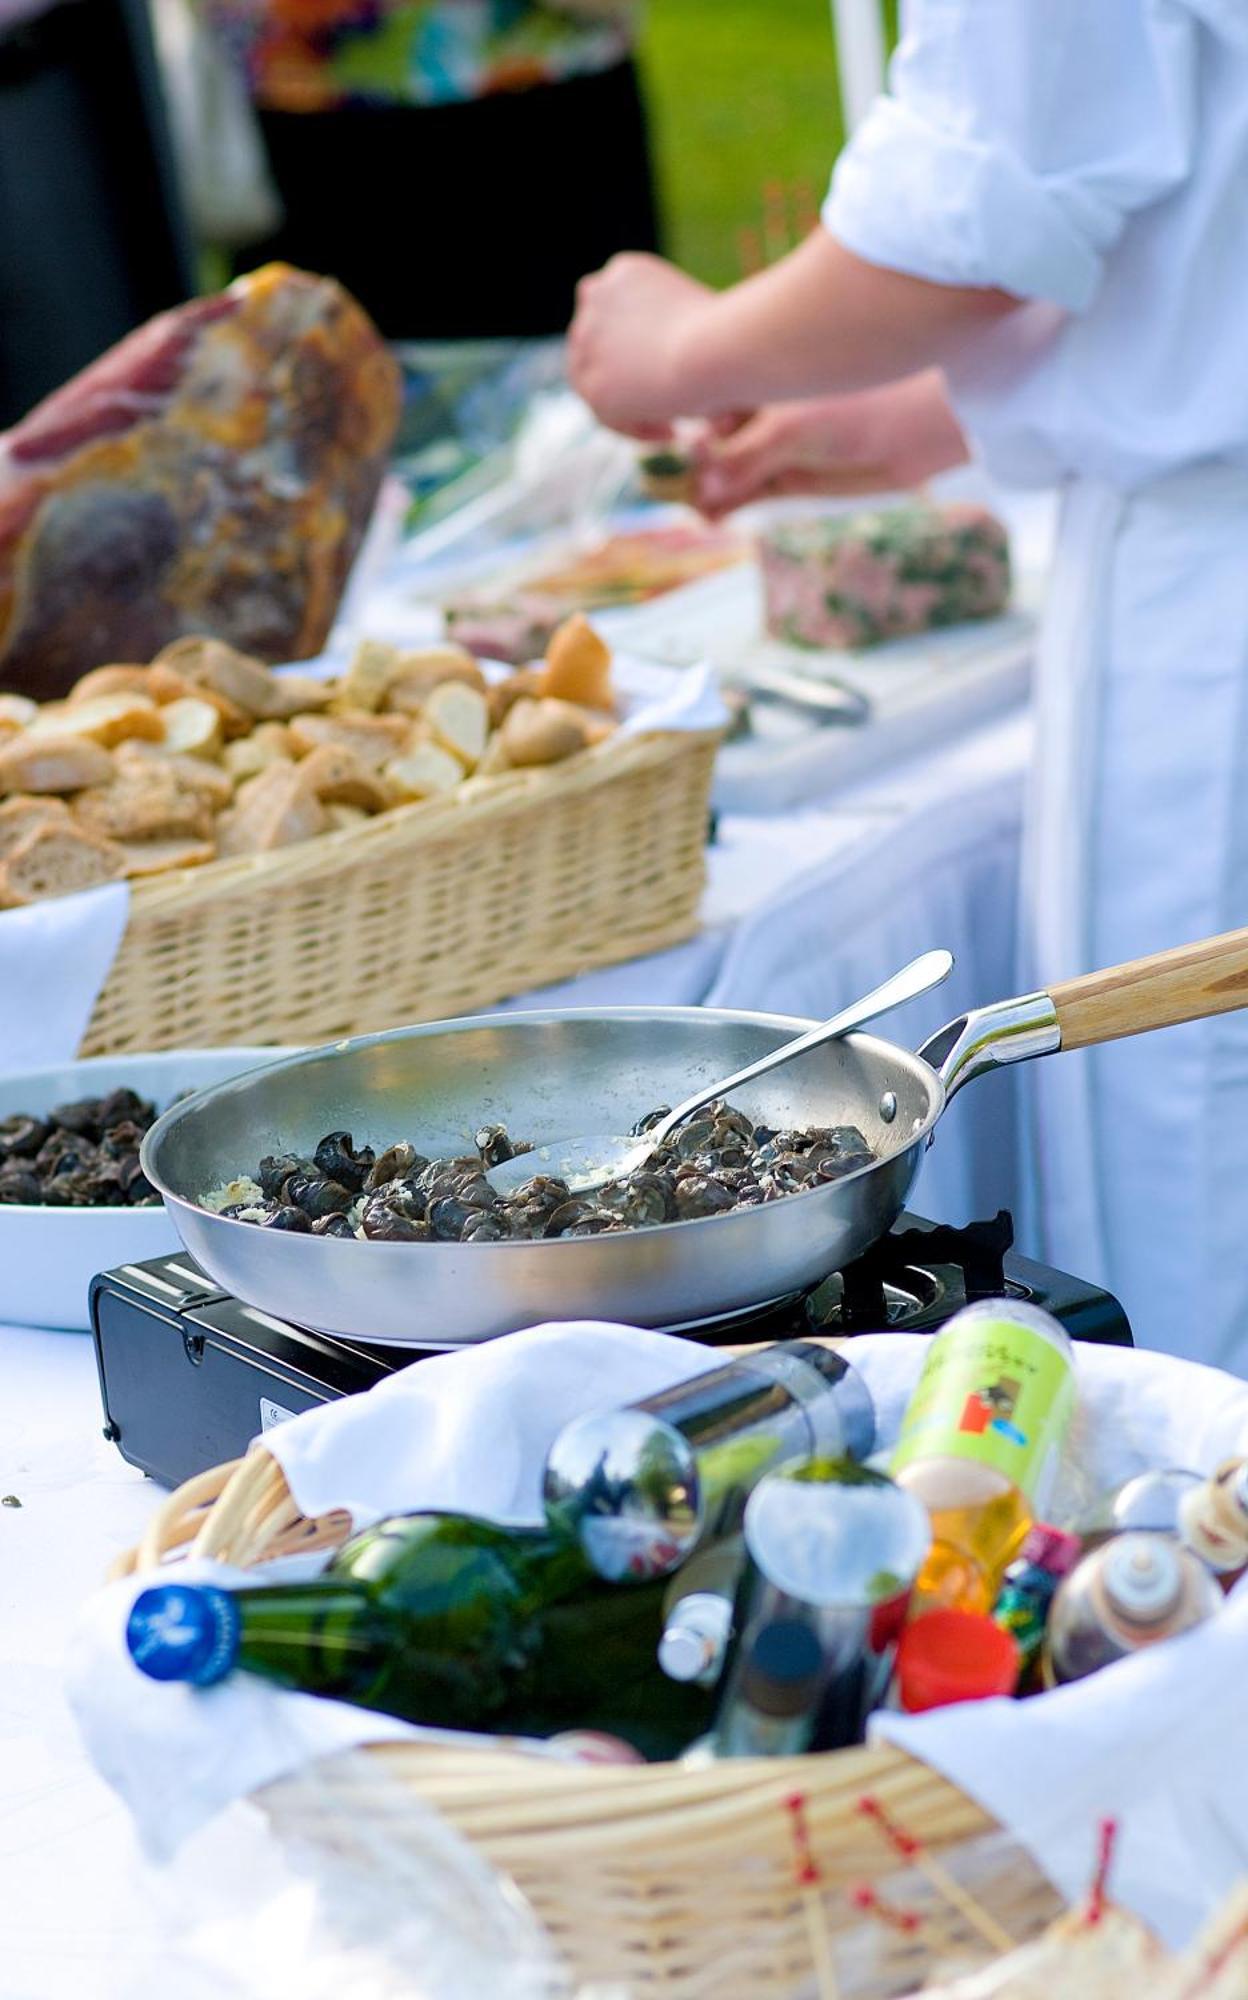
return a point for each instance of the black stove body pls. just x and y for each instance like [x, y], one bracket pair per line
[189, 1375]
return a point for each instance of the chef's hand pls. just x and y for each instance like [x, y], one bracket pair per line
[634, 324]
[875, 441]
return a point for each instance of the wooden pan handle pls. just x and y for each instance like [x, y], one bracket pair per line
[1186, 984]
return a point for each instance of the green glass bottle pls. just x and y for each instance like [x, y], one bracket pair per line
[446, 1620]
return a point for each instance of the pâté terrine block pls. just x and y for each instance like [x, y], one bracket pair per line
[853, 580]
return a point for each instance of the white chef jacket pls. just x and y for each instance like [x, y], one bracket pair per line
[1090, 156]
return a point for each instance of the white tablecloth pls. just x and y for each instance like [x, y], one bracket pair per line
[802, 915]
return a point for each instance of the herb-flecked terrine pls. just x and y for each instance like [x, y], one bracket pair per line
[855, 579]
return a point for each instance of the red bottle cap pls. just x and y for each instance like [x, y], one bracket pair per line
[947, 1656]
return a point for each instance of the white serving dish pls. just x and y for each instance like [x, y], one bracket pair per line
[48, 1256]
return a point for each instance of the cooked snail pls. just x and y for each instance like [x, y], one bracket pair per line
[716, 1162]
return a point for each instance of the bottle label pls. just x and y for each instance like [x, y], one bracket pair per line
[994, 1391]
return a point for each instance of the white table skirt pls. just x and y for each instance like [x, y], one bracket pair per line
[802, 915]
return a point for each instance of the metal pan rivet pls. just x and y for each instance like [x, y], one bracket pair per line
[888, 1106]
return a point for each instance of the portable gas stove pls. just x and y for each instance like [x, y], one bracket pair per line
[189, 1375]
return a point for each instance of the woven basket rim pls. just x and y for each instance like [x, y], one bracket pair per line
[475, 801]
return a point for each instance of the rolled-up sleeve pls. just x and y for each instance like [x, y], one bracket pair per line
[1017, 139]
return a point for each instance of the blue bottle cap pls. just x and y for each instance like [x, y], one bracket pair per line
[184, 1632]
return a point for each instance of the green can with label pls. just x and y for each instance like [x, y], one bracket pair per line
[997, 1390]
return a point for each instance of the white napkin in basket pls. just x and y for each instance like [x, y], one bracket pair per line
[1159, 1741]
[54, 959]
[655, 697]
[468, 1433]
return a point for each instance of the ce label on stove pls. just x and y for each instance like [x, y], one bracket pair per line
[272, 1414]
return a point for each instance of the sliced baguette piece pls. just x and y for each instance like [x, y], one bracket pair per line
[596, 725]
[279, 811]
[161, 857]
[458, 718]
[542, 732]
[210, 663]
[56, 860]
[375, 739]
[524, 683]
[578, 665]
[370, 673]
[18, 709]
[165, 684]
[425, 771]
[417, 674]
[108, 720]
[269, 743]
[110, 680]
[339, 776]
[52, 764]
[495, 760]
[259, 785]
[153, 803]
[21, 815]
[193, 727]
[195, 774]
[298, 694]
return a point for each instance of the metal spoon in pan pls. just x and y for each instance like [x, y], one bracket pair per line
[604, 1156]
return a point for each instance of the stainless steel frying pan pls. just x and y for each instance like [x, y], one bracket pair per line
[551, 1075]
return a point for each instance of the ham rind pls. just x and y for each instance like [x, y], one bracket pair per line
[854, 580]
[213, 473]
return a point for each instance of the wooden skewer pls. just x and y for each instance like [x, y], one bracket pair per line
[945, 1884]
[826, 1985]
[976, 1915]
[822, 1961]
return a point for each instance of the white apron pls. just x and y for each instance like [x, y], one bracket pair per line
[1136, 1161]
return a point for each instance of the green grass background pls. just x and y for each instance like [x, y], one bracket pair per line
[741, 93]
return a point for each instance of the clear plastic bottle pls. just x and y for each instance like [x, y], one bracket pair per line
[980, 1443]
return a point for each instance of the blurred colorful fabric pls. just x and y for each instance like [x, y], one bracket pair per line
[318, 55]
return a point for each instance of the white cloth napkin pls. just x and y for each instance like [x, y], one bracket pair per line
[1159, 1741]
[54, 959]
[667, 698]
[468, 1433]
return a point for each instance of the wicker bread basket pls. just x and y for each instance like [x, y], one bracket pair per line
[744, 1881]
[428, 911]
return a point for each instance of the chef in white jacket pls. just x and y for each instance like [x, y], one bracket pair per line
[1051, 206]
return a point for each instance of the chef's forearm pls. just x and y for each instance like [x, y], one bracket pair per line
[822, 321]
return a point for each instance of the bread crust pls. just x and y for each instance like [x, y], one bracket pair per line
[57, 860]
